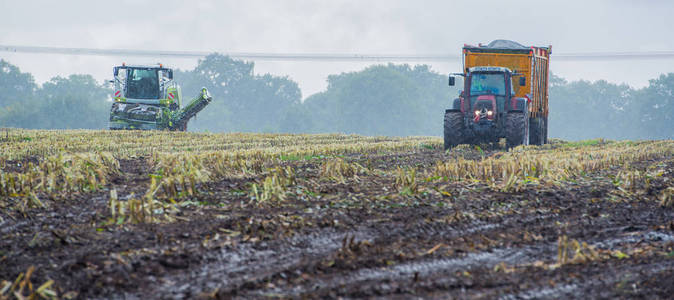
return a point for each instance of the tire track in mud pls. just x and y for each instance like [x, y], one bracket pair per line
[578, 289]
[229, 269]
[473, 227]
[371, 278]
[232, 267]
[406, 271]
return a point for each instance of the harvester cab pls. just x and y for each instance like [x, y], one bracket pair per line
[146, 97]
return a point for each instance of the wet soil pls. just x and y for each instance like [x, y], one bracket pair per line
[361, 238]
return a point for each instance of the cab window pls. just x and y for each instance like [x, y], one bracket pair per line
[486, 83]
[143, 84]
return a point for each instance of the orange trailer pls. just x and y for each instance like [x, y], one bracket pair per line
[532, 61]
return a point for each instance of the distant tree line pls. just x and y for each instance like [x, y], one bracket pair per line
[388, 99]
[77, 101]
[583, 109]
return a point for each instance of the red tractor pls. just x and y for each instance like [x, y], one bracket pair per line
[491, 107]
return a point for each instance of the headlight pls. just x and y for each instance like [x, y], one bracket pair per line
[489, 113]
[477, 112]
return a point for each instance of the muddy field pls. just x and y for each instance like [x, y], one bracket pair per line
[389, 230]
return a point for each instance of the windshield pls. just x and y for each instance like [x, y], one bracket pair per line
[487, 83]
[142, 84]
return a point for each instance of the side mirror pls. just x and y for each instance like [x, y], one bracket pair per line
[523, 81]
[451, 81]
[116, 71]
[170, 74]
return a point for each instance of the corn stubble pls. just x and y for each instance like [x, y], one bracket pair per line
[180, 165]
[78, 161]
[511, 171]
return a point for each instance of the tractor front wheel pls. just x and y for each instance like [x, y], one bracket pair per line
[517, 129]
[453, 129]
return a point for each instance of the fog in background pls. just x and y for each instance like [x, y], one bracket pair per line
[377, 27]
[353, 97]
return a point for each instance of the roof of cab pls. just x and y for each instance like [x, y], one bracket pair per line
[489, 69]
[157, 66]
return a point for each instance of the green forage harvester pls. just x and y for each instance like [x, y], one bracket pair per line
[147, 98]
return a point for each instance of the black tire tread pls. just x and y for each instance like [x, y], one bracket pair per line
[453, 129]
[535, 131]
[516, 131]
[545, 130]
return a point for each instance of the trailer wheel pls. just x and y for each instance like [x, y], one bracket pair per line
[453, 129]
[536, 131]
[545, 130]
[517, 129]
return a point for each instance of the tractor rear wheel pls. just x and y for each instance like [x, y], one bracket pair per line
[517, 129]
[536, 131]
[453, 129]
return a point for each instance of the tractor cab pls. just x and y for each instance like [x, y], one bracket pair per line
[490, 88]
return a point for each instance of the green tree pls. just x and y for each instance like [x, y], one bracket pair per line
[15, 86]
[382, 100]
[242, 101]
[17, 90]
[77, 101]
[655, 107]
[62, 103]
[584, 110]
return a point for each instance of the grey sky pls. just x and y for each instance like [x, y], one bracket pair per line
[364, 27]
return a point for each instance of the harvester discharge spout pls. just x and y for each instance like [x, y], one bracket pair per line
[180, 118]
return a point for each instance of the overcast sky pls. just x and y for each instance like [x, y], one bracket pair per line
[359, 27]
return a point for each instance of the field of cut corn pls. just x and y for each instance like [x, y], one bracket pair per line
[143, 215]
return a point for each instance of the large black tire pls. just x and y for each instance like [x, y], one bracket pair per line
[453, 129]
[545, 130]
[517, 129]
[536, 131]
